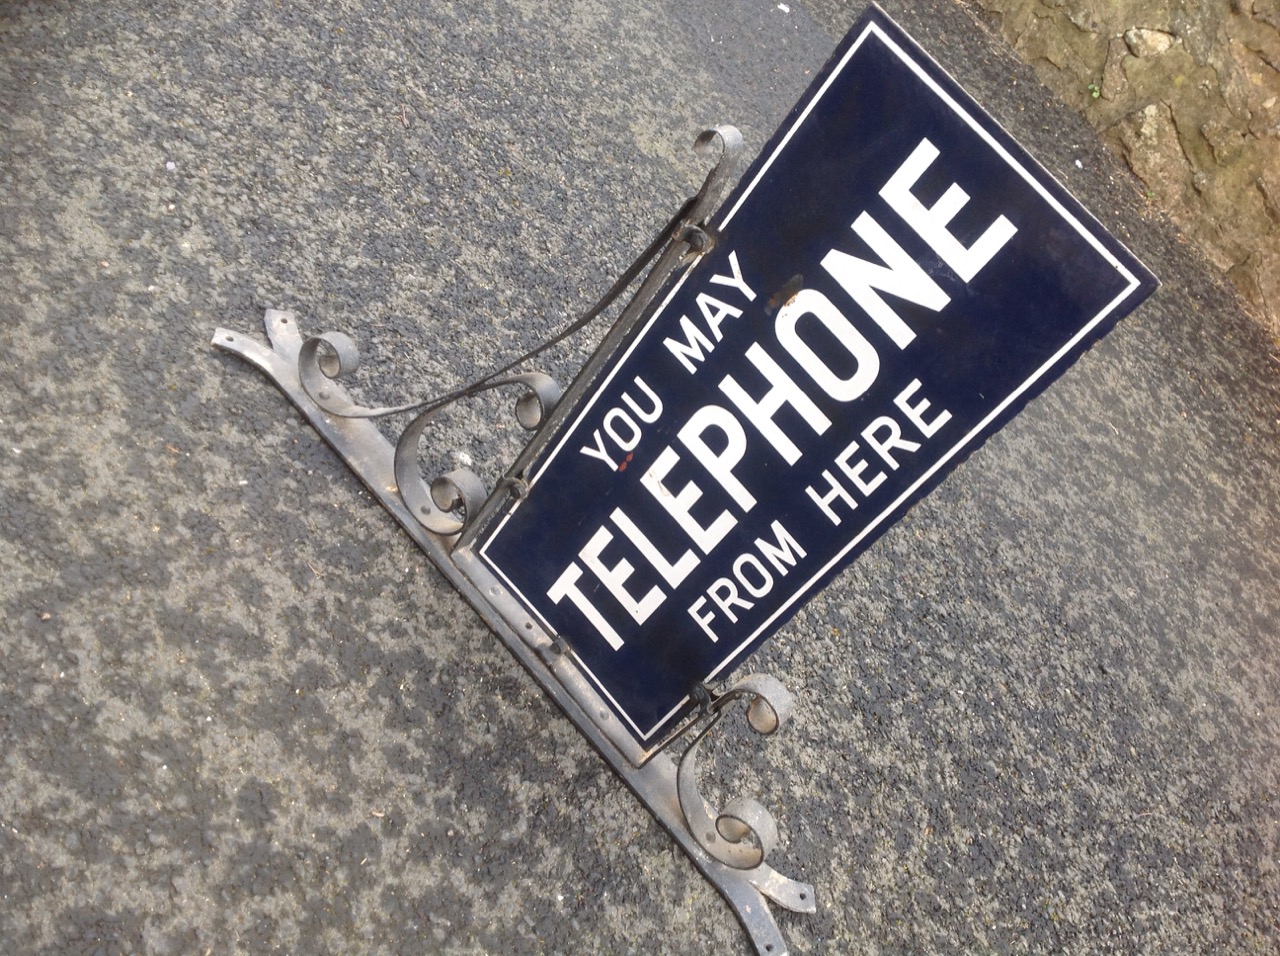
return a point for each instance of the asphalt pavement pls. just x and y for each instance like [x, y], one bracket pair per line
[240, 712]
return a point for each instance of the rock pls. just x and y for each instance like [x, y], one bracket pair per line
[1151, 146]
[1114, 80]
[1226, 142]
[1144, 42]
[1270, 192]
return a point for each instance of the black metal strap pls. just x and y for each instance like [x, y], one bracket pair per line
[672, 231]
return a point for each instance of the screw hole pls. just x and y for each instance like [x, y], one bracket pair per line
[231, 338]
[528, 625]
[804, 896]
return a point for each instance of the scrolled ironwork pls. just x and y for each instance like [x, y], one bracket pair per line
[445, 504]
[448, 502]
[537, 401]
[743, 833]
[324, 359]
[451, 500]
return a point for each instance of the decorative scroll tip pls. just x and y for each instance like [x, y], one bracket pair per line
[724, 139]
[724, 145]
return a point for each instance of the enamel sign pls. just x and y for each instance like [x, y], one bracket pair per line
[893, 280]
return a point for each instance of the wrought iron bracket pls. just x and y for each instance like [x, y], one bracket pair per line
[730, 846]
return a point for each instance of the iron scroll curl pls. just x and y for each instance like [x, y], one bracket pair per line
[448, 502]
[742, 834]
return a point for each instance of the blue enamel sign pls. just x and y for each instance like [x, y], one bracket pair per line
[894, 278]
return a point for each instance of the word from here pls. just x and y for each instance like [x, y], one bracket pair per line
[702, 481]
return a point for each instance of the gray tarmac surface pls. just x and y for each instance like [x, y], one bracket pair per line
[239, 711]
